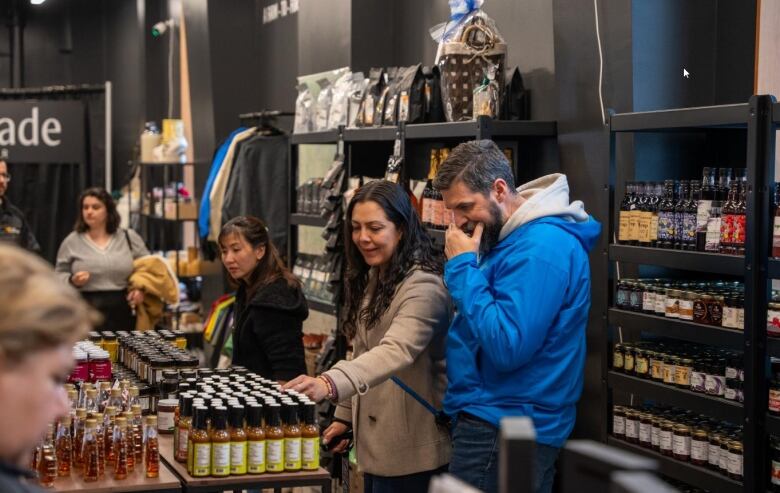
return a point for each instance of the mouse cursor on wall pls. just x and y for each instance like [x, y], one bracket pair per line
[686, 74]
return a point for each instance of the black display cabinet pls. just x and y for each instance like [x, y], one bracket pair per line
[748, 128]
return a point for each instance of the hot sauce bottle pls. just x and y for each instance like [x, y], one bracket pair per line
[199, 450]
[255, 434]
[152, 448]
[238, 441]
[310, 437]
[292, 438]
[274, 439]
[220, 444]
[183, 427]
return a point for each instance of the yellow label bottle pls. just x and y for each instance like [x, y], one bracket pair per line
[220, 445]
[310, 438]
[292, 439]
[238, 441]
[274, 440]
[255, 433]
[199, 451]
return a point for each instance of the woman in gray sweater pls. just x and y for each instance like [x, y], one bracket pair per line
[397, 314]
[97, 258]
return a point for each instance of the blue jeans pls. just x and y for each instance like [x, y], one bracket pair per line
[411, 483]
[475, 445]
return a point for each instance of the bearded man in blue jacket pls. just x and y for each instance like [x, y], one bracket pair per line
[519, 277]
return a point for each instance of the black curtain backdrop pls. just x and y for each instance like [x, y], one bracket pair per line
[47, 192]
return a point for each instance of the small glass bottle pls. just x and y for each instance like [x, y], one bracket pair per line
[152, 448]
[137, 426]
[220, 444]
[255, 434]
[116, 400]
[78, 437]
[274, 439]
[99, 437]
[310, 438]
[199, 450]
[64, 446]
[238, 441]
[89, 452]
[109, 429]
[292, 439]
[103, 395]
[47, 467]
[128, 415]
[121, 452]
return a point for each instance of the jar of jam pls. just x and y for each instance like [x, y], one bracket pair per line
[715, 310]
[648, 299]
[682, 373]
[617, 357]
[729, 312]
[681, 443]
[774, 397]
[740, 307]
[632, 426]
[641, 364]
[622, 298]
[619, 422]
[655, 433]
[775, 456]
[657, 366]
[700, 447]
[660, 301]
[715, 380]
[700, 313]
[698, 375]
[635, 297]
[730, 391]
[723, 465]
[665, 442]
[628, 359]
[686, 305]
[773, 320]
[713, 453]
[645, 430]
[673, 303]
[670, 367]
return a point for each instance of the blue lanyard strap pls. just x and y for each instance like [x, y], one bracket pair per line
[416, 396]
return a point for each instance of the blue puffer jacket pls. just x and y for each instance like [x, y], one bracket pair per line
[517, 344]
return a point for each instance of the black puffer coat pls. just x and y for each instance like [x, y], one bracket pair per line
[268, 331]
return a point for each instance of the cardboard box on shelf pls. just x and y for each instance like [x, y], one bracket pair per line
[187, 210]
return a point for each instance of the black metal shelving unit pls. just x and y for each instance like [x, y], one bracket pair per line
[756, 119]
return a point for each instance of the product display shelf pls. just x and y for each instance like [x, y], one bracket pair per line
[683, 471]
[321, 477]
[321, 306]
[716, 407]
[166, 482]
[678, 329]
[308, 220]
[715, 263]
[724, 116]
[324, 137]
[484, 127]
[755, 118]
[372, 134]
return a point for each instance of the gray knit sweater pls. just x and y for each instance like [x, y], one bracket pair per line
[109, 268]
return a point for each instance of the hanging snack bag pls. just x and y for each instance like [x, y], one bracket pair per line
[339, 106]
[376, 86]
[516, 102]
[390, 78]
[356, 93]
[304, 111]
[323, 105]
[467, 45]
[410, 96]
[433, 108]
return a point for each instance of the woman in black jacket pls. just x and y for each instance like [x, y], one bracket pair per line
[270, 307]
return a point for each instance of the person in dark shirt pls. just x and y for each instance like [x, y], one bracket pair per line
[40, 320]
[270, 306]
[13, 225]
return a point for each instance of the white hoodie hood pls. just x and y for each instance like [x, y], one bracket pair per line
[544, 197]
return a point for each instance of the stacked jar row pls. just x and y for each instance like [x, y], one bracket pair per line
[721, 304]
[684, 436]
[703, 369]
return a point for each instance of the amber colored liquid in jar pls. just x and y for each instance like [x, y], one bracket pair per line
[64, 448]
[47, 469]
[130, 442]
[152, 448]
[121, 451]
[78, 439]
[90, 454]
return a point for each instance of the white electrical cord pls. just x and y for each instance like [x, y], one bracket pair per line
[170, 70]
[601, 63]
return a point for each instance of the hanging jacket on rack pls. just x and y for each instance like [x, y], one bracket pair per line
[217, 193]
[216, 164]
[258, 185]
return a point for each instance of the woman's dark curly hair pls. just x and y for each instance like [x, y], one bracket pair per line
[415, 250]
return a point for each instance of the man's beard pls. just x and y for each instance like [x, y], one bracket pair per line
[492, 229]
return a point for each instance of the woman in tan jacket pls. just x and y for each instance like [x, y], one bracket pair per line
[397, 314]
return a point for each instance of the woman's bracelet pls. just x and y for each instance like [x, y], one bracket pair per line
[332, 392]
